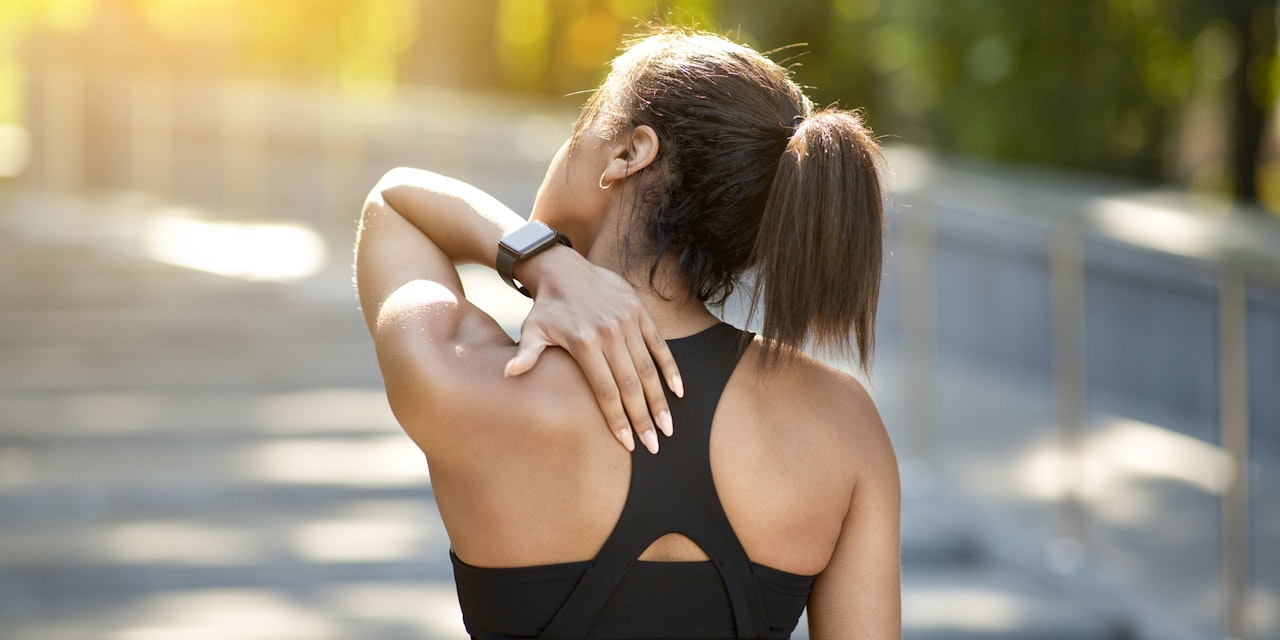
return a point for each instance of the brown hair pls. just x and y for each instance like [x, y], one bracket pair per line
[746, 176]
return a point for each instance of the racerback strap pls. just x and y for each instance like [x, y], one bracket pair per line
[673, 492]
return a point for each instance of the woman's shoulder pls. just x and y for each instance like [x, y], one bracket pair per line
[807, 380]
[802, 392]
[800, 438]
[453, 398]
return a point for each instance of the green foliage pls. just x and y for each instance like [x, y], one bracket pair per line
[1132, 87]
[1088, 84]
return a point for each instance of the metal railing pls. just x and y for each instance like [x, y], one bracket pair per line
[1237, 252]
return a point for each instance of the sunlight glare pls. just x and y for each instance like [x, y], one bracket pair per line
[1043, 474]
[360, 540]
[256, 251]
[430, 608]
[183, 543]
[216, 614]
[15, 149]
[1152, 226]
[1127, 448]
[384, 461]
[972, 608]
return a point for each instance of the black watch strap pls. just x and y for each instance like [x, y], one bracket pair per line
[524, 243]
[506, 268]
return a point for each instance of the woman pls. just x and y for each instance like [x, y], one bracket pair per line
[774, 485]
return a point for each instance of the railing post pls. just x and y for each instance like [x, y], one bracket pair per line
[1233, 349]
[1067, 349]
[919, 327]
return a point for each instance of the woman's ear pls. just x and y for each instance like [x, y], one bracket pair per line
[632, 153]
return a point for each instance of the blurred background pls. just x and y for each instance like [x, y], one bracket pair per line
[1079, 352]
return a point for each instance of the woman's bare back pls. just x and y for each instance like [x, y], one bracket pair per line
[524, 484]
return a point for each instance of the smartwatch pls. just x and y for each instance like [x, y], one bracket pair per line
[524, 243]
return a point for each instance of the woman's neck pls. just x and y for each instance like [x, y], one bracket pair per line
[676, 311]
[675, 319]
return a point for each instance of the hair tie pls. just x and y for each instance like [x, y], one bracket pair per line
[795, 125]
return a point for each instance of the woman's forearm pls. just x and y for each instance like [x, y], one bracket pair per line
[465, 222]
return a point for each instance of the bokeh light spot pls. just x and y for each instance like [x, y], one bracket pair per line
[251, 251]
[15, 149]
[1216, 53]
[989, 60]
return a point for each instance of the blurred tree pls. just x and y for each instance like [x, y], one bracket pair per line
[1064, 83]
[1253, 88]
[1178, 90]
[798, 33]
[1173, 90]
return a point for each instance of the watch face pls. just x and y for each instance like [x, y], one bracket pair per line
[528, 237]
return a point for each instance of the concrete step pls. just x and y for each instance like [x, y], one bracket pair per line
[90, 415]
[989, 601]
[268, 367]
[179, 325]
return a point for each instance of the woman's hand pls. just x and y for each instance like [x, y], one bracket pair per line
[596, 316]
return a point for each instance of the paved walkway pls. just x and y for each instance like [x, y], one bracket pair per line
[186, 456]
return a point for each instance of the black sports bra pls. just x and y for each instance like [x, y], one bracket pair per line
[615, 595]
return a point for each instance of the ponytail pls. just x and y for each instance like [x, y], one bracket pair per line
[737, 184]
[820, 245]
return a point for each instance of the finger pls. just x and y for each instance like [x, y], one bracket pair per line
[592, 361]
[662, 355]
[632, 392]
[649, 380]
[531, 347]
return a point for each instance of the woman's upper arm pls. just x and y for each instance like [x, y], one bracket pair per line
[430, 340]
[859, 594]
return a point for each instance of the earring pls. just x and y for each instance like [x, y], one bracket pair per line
[602, 184]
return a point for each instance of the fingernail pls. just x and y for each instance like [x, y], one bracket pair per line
[677, 386]
[650, 440]
[664, 422]
[627, 439]
[506, 371]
